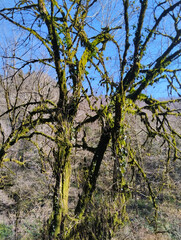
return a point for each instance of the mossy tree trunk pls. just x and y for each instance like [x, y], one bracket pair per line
[73, 47]
[62, 173]
[119, 153]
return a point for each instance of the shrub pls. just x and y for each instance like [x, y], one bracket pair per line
[6, 232]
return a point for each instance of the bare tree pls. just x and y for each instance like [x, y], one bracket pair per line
[81, 52]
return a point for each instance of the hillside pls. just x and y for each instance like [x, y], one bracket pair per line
[26, 188]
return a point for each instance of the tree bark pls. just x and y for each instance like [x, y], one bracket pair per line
[93, 174]
[62, 172]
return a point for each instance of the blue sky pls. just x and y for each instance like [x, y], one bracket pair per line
[9, 33]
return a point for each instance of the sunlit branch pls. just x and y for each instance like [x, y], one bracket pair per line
[152, 31]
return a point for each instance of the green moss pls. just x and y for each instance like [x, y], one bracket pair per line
[65, 187]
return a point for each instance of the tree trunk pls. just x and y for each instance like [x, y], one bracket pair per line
[119, 153]
[93, 174]
[62, 172]
[118, 142]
